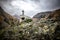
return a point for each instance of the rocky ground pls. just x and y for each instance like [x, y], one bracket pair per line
[41, 30]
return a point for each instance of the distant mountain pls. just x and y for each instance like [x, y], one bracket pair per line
[49, 14]
[42, 14]
[17, 16]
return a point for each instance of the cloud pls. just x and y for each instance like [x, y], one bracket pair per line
[23, 5]
[31, 6]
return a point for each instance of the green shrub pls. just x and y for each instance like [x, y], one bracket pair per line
[28, 20]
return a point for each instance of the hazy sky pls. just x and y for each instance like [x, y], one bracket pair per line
[31, 7]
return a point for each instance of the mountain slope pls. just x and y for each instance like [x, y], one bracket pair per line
[6, 19]
[55, 15]
[42, 14]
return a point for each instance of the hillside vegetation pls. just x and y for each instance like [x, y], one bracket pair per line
[45, 29]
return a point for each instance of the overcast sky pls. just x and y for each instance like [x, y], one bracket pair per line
[31, 7]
